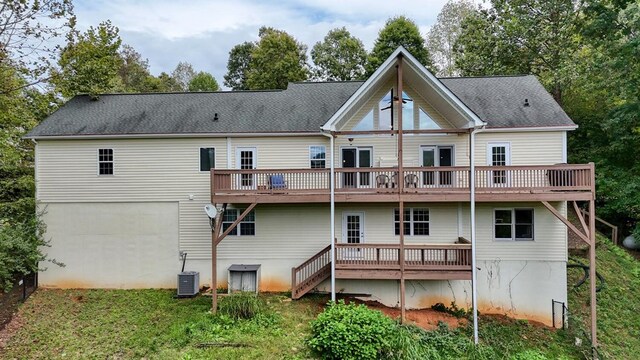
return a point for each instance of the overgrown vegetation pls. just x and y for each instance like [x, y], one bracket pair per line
[21, 249]
[241, 305]
[135, 324]
[618, 303]
[350, 331]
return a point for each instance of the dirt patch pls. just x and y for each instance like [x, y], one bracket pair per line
[9, 329]
[427, 319]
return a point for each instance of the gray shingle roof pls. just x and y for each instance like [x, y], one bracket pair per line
[302, 107]
[499, 101]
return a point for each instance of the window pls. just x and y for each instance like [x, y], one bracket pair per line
[207, 159]
[513, 224]
[407, 112]
[105, 161]
[416, 221]
[246, 227]
[317, 157]
[425, 121]
[385, 108]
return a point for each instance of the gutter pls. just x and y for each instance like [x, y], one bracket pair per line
[332, 187]
[165, 136]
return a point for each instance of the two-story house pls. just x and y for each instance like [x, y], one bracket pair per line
[404, 188]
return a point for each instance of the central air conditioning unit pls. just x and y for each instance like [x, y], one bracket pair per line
[188, 283]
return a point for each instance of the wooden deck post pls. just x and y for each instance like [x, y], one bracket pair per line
[592, 257]
[401, 189]
[214, 262]
[592, 271]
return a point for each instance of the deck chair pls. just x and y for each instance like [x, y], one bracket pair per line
[411, 180]
[277, 182]
[382, 181]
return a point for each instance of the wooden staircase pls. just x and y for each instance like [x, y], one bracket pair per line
[311, 273]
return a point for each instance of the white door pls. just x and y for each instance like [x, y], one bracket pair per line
[352, 232]
[246, 160]
[498, 154]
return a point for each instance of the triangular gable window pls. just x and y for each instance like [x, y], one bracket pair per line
[366, 123]
[385, 105]
[426, 122]
[407, 112]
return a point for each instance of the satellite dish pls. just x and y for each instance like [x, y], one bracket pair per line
[211, 210]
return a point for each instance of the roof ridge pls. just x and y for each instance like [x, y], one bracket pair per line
[326, 82]
[483, 76]
[183, 92]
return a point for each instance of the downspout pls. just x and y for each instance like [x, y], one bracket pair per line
[35, 170]
[474, 267]
[332, 189]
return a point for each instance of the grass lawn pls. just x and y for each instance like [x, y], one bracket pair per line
[125, 324]
[618, 302]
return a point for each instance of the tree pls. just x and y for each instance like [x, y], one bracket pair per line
[90, 62]
[522, 36]
[339, 56]
[134, 71]
[444, 33]
[398, 31]
[277, 59]
[27, 31]
[238, 66]
[609, 132]
[182, 74]
[203, 81]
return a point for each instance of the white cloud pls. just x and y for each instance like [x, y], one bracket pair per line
[202, 32]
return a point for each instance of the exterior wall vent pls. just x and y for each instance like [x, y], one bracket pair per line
[243, 278]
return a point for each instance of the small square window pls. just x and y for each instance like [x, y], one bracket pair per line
[105, 161]
[207, 159]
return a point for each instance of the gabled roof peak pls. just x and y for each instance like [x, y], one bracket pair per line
[422, 75]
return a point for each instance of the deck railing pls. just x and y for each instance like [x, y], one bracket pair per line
[446, 257]
[489, 179]
[310, 273]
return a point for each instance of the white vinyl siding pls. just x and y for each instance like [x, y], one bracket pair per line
[525, 148]
[150, 170]
[550, 234]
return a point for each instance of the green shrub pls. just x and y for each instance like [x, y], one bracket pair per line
[349, 331]
[21, 249]
[242, 305]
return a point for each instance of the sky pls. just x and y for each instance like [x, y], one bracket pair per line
[203, 32]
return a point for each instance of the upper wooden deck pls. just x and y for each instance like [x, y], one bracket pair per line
[441, 184]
